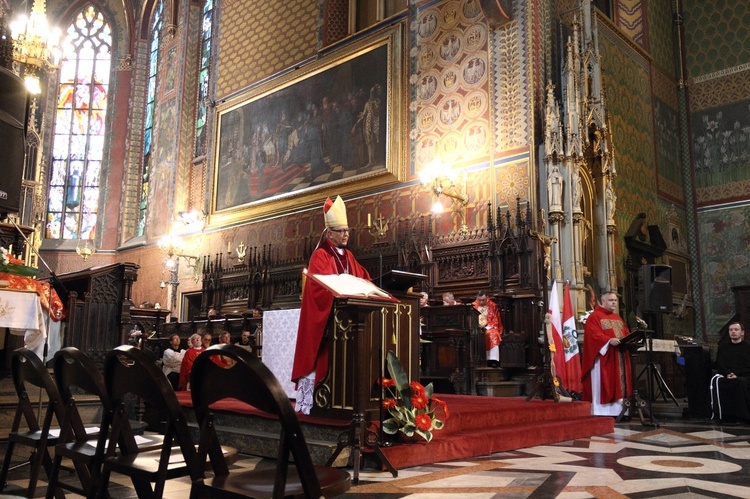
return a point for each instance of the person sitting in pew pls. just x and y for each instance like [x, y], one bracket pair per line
[196, 348]
[730, 388]
[448, 299]
[171, 360]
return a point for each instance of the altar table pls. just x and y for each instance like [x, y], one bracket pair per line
[22, 313]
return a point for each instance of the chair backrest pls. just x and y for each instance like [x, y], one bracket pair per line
[250, 381]
[74, 368]
[27, 367]
[129, 370]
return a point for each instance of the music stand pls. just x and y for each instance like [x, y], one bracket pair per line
[631, 343]
[653, 376]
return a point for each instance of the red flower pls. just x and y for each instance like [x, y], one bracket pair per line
[443, 405]
[416, 388]
[423, 422]
[389, 404]
[419, 401]
[388, 382]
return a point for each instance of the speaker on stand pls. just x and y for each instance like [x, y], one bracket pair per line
[656, 298]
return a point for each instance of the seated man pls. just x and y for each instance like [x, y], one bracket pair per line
[730, 389]
[172, 360]
[448, 299]
[489, 321]
[207, 339]
[244, 341]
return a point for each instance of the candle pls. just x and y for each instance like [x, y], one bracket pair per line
[229, 247]
[369, 220]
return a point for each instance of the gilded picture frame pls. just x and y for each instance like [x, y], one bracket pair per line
[332, 127]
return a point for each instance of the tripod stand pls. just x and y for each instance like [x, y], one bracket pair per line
[631, 344]
[653, 376]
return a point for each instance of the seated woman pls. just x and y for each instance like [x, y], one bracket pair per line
[730, 389]
[196, 348]
[171, 360]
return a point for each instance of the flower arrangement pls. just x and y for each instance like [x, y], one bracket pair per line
[12, 265]
[412, 407]
[584, 316]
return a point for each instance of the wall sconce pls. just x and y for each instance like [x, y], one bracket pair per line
[174, 247]
[444, 181]
[192, 218]
[240, 252]
[380, 229]
[85, 251]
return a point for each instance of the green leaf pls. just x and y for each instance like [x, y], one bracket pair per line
[391, 426]
[402, 380]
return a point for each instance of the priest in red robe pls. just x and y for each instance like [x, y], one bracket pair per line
[331, 257]
[607, 379]
[489, 321]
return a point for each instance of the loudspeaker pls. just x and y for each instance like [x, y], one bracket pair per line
[14, 105]
[656, 286]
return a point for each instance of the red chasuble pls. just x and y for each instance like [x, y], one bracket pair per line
[493, 330]
[312, 352]
[600, 327]
[187, 366]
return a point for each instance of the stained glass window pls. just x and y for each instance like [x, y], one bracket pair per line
[78, 146]
[203, 78]
[148, 128]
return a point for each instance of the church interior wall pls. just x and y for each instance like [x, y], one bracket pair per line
[492, 140]
[717, 52]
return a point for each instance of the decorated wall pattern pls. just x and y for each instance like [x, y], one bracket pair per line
[259, 39]
[721, 149]
[511, 84]
[631, 19]
[717, 35]
[666, 142]
[629, 103]
[725, 260]
[451, 84]
[661, 34]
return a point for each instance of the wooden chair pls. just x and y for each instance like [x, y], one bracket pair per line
[27, 368]
[85, 449]
[250, 381]
[129, 370]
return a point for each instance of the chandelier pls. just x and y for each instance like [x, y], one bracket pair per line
[35, 45]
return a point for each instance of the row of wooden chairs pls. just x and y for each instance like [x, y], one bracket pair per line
[128, 370]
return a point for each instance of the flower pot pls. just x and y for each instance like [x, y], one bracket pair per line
[414, 439]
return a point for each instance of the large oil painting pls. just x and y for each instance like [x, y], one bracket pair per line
[332, 127]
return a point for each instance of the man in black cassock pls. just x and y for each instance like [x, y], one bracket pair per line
[730, 388]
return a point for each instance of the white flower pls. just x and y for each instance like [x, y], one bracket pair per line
[584, 316]
[5, 260]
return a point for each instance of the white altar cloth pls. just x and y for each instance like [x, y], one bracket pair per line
[22, 313]
[279, 342]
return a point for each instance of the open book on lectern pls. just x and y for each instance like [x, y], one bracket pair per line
[349, 286]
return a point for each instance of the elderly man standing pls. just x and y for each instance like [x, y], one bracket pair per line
[489, 321]
[330, 257]
[607, 379]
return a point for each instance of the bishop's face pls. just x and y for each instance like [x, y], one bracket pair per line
[339, 236]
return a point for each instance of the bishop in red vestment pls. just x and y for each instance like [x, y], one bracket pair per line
[196, 348]
[331, 257]
[607, 379]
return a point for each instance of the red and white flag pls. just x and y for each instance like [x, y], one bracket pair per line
[558, 356]
[570, 345]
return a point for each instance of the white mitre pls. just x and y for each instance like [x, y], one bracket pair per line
[335, 213]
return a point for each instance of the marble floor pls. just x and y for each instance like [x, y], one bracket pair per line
[679, 459]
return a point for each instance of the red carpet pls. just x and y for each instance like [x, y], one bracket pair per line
[477, 426]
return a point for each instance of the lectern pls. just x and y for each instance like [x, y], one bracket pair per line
[359, 333]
